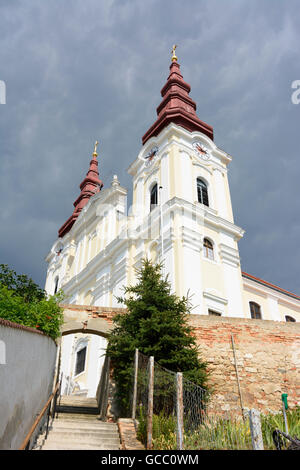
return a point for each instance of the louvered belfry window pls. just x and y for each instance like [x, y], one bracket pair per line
[202, 192]
[255, 310]
[153, 197]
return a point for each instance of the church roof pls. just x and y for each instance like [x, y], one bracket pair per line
[89, 186]
[268, 284]
[177, 106]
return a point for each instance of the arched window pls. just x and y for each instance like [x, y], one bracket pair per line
[255, 310]
[202, 192]
[56, 285]
[208, 249]
[288, 318]
[153, 197]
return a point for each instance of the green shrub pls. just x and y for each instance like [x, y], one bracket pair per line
[45, 315]
[163, 430]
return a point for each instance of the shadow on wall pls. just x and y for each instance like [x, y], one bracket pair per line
[105, 395]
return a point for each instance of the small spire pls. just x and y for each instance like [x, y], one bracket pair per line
[95, 154]
[88, 188]
[115, 181]
[177, 107]
[174, 58]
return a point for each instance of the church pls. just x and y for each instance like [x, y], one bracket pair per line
[181, 215]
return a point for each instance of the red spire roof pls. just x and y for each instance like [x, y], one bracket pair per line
[177, 106]
[89, 186]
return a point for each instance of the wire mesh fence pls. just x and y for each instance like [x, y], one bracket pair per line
[175, 415]
[172, 412]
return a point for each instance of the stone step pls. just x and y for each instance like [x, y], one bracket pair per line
[78, 441]
[85, 434]
[74, 400]
[82, 393]
[72, 424]
[77, 409]
[76, 417]
[59, 446]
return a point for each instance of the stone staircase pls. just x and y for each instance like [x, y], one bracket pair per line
[79, 428]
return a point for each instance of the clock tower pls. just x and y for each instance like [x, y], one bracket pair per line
[180, 187]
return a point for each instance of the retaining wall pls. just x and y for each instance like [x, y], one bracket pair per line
[27, 364]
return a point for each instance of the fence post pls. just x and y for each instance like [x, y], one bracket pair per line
[150, 403]
[136, 363]
[255, 427]
[179, 411]
[237, 377]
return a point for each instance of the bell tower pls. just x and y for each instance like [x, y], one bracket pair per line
[181, 193]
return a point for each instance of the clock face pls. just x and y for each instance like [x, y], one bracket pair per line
[150, 157]
[201, 150]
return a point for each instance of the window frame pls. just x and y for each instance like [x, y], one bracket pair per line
[290, 319]
[200, 186]
[253, 313]
[56, 281]
[84, 347]
[213, 313]
[208, 251]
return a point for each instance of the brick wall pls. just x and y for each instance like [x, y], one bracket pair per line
[268, 361]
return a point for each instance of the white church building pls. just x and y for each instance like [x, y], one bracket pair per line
[181, 214]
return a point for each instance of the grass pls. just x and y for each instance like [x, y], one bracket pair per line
[218, 434]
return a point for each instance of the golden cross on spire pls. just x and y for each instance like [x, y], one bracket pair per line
[174, 58]
[95, 148]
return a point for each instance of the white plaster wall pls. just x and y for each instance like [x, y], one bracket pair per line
[221, 199]
[66, 360]
[233, 289]
[186, 177]
[98, 345]
[26, 382]
[274, 308]
[193, 277]
[164, 177]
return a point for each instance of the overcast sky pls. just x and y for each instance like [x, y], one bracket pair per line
[76, 71]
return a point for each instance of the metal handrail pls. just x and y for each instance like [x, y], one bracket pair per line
[38, 419]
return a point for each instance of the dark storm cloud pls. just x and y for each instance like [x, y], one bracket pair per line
[79, 71]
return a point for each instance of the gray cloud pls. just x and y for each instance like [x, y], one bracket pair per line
[79, 71]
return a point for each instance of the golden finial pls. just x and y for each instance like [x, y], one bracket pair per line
[95, 154]
[174, 58]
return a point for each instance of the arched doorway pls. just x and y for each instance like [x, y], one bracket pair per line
[83, 356]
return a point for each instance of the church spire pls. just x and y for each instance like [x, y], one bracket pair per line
[177, 106]
[89, 186]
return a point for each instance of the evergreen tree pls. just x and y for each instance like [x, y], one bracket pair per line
[156, 324]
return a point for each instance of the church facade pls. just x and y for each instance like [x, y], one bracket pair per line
[181, 215]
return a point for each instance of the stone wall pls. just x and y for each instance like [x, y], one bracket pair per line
[268, 361]
[26, 380]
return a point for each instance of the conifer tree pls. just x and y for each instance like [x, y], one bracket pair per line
[156, 324]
